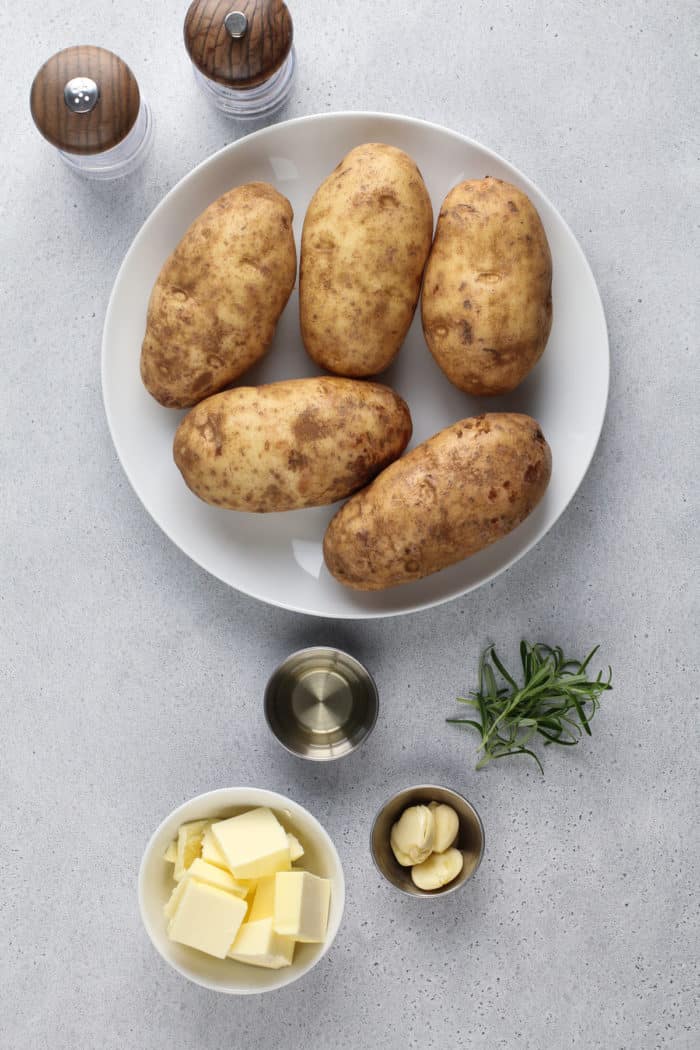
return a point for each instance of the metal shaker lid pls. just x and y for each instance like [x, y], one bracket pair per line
[85, 100]
[241, 44]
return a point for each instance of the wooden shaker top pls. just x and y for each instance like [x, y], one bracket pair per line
[238, 61]
[110, 119]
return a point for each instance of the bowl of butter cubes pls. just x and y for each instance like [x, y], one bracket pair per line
[241, 890]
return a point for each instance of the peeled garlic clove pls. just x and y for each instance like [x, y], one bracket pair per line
[446, 826]
[412, 835]
[437, 870]
[403, 858]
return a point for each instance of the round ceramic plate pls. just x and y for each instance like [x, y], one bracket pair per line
[278, 557]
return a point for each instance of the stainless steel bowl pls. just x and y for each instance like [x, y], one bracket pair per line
[470, 839]
[321, 703]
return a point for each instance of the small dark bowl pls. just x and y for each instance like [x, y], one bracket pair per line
[321, 703]
[470, 838]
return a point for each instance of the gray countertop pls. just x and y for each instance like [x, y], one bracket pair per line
[132, 680]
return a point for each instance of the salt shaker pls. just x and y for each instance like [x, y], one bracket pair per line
[242, 54]
[85, 101]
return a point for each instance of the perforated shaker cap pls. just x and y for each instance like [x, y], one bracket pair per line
[241, 44]
[85, 100]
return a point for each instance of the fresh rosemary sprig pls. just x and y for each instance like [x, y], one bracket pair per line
[557, 701]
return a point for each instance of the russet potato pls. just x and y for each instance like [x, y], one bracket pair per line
[297, 443]
[450, 497]
[217, 300]
[366, 237]
[487, 294]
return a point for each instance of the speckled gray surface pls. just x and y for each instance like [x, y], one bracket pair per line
[132, 680]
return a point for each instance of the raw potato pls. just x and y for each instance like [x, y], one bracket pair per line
[214, 307]
[487, 294]
[455, 494]
[367, 235]
[299, 443]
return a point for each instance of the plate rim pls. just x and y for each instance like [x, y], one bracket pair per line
[271, 129]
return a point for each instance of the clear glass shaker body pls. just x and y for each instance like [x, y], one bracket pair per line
[263, 100]
[121, 160]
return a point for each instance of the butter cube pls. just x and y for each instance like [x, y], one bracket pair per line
[301, 906]
[213, 876]
[211, 852]
[170, 907]
[171, 852]
[207, 918]
[254, 844]
[189, 845]
[296, 850]
[257, 944]
[263, 906]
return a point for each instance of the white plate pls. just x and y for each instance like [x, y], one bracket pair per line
[278, 557]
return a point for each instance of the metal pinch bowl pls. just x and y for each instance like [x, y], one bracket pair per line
[470, 838]
[321, 703]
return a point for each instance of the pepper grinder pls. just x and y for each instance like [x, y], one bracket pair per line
[242, 55]
[85, 101]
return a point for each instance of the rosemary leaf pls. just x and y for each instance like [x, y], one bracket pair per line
[556, 701]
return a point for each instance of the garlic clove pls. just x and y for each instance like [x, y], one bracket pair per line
[412, 835]
[403, 858]
[438, 870]
[446, 826]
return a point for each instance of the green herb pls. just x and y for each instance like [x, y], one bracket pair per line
[556, 701]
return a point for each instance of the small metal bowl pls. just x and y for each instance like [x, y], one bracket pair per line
[321, 703]
[470, 838]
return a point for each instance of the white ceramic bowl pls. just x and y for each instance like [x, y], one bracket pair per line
[155, 886]
[279, 557]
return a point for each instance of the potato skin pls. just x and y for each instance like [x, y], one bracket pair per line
[298, 443]
[214, 307]
[367, 235]
[460, 491]
[487, 293]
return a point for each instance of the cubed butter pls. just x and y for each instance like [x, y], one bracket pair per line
[170, 906]
[263, 906]
[211, 852]
[213, 876]
[258, 945]
[301, 906]
[254, 844]
[296, 850]
[207, 918]
[189, 845]
[171, 852]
